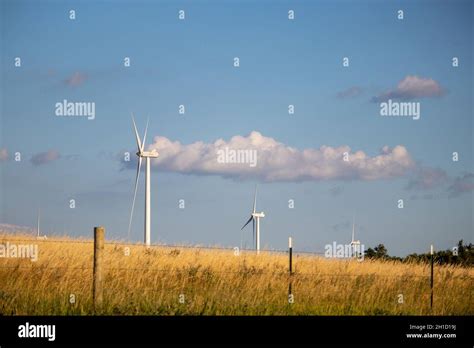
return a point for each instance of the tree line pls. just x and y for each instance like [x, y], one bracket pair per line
[462, 254]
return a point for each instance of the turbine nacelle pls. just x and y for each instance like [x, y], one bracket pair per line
[258, 215]
[152, 154]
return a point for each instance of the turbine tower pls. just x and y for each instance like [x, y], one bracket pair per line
[147, 155]
[38, 235]
[355, 244]
[255, 218]
[38, 224]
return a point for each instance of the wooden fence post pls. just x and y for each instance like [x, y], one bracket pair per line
[290, 248]
[290, 256]
[99, 234]
[432, 262]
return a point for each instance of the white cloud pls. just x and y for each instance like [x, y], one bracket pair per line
[279, 162]
[411, 87]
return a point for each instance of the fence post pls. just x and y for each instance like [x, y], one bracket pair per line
[290, 248]
[432, 262]
[290, 256]
[99, 234]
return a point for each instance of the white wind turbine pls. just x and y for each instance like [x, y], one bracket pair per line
[38, 224]
[147, 155]
[355, 244]
[255, 218]
[38, 235]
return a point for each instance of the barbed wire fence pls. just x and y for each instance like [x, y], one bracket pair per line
[166, 245]
[97, 287]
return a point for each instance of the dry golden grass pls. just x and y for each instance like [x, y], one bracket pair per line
[216, 282]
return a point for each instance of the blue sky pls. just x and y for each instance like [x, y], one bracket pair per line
[282, 62]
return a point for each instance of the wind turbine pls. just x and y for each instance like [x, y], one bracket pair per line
[355, 244]
[255, 218]
[38, 225]
[147, 155]
[38, 236]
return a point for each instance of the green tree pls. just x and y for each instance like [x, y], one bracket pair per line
[380, 251]
[370, 253]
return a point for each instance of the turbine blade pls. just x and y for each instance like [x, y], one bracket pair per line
[144, 136]
[251, 218]
[255, 200]
[134, 194]
[139, 144]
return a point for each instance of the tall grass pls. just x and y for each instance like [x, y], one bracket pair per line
[216, 282]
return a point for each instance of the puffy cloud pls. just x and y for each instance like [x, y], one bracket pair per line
[351, 92]
[275, 161]
[76, 79]
[412, 87]
[426, 178]
[3, 154]
[44, 157]
[461, 184]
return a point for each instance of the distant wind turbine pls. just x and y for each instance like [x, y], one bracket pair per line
[255, 218]
[355, 244]
[38, 224]
[38, 236]
[147, 155]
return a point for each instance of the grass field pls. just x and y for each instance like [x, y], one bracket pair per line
[216, 282]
